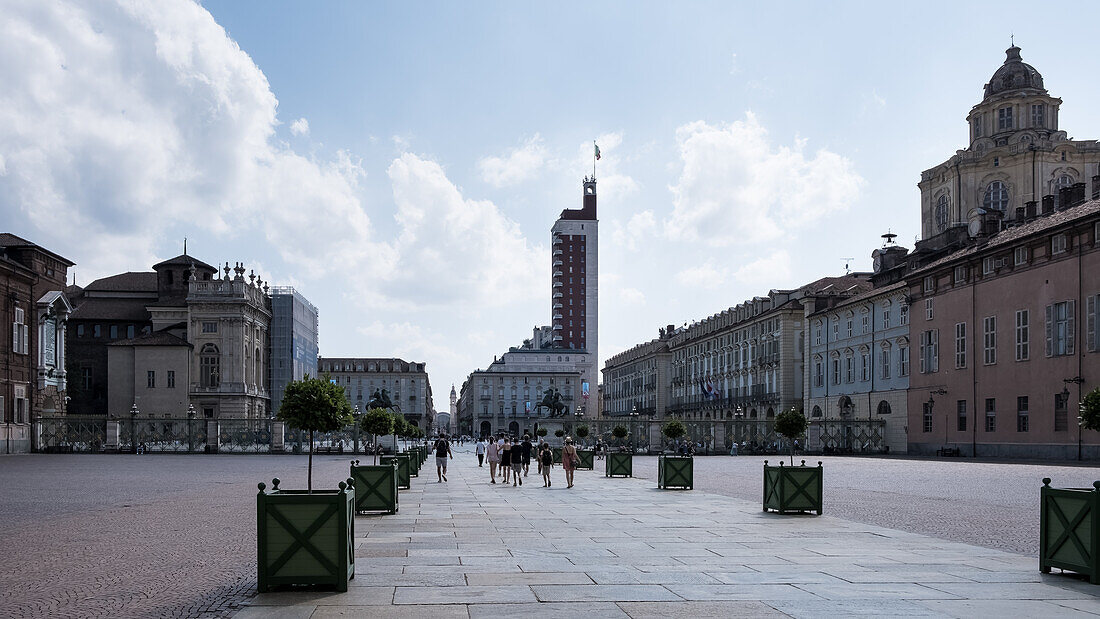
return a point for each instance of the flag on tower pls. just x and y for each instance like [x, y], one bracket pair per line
[597, 150]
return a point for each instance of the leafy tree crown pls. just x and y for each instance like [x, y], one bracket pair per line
[377, 421]
[619, 431]
[1090, 410]
[791, 423]
[582, 431]
[559, 433]
[315, 404]
[674, 429]
[541, 432]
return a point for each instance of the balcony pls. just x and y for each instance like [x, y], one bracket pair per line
[558, 252]
[557, 338]
[557, 273]
[558, 295]
[558, 284]
[557, 306]
[558, 240]
[558, 263]
[557, 327]
[557, 316]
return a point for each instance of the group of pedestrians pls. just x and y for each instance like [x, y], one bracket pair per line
[512, 458]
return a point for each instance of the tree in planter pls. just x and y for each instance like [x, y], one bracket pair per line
[314, 404]
[674, 429]
[620, 433]
[400, 429]
[582, 432]
[791, 424]
[378, 423]
[559, 433]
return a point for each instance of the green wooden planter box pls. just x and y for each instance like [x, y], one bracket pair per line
[414, 464]
[792, 489]
[404, 476]
[676, 472]
[305, 539]
[1069, 530]
[375, 487]
[587, 458]
[619, 465]
[557, 454]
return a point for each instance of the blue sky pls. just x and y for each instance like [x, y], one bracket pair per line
[402, 163]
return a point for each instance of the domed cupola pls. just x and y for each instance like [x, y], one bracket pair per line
[1014, 75]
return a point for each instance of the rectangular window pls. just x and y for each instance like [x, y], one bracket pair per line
[836, 371]
[1060, 328]
[1023, 337]
[927, 426]
[885, 363]
[886, 318]
[960, 274]
[151, 379]
[1057, 244]
[849, 326]
[210, 327]
[929, 284]
[929, 353]
[20, 333]
[1021, 414]
[96, 331]
[171, 379]
[80, 330]
[1037, 115]
[114, 332]
[836, 331]
[849, 373]
[977, 125]
[86, 378]
[817, 335]
[1019, 255]
[928, 309]
[130, 331]
[865, 366]
[989, 339]
[903, 361]
[988, 265]
[1092, 330]
[1061, 413]
[990, 415]
[819, 374]
[960, 345]
[1004, 118]
[904, 317]
[960, 415]
[865, 323]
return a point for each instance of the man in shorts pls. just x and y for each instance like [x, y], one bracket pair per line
[525, 449]
[442, 451]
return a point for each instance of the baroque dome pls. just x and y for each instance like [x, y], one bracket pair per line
[1014, 74]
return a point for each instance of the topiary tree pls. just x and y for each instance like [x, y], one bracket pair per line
[400, 429]
[674, 429]
[541, 432]
[582, 432]
[559, 433]
[1090, 410]
[792, 424]
[377, 422]
[620, 433]
[316, 405]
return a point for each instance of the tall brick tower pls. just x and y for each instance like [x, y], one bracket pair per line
[575, 284]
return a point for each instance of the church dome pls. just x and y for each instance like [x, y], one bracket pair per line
[1014, 74]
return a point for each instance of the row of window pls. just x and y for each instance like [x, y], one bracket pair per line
[112, 331]
[1005, 121]
[1023, 421]
[846, 372]
[864, 324]
[20, 406]
[996, 198]
[150, 378]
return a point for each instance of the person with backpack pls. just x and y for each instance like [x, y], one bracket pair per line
[546, 463]
[442, 450]
[526, 448]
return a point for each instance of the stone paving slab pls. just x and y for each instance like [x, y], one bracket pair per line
[622, 548]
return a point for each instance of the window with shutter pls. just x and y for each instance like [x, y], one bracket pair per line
[1090, 323]
[1050, 330]
[935, 350]
[1071, 326]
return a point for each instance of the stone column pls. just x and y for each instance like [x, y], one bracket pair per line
[213, 436]
[113, 433]
[277, 445]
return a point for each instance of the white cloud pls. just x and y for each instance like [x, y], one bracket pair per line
[704, 276]
[631, 296]
[300, 127]
[635, 232]
[519, 165]
[453, 249]
[614, 186]
[120, 121]
[769, 271]
[736, 187]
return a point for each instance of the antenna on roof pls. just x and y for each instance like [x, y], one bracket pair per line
[184, 246]
[847, 270]
[1012, 39]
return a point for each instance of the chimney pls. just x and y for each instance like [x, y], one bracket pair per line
[1076, 194]
[1021, 212]
[1064, 198]
[1048, 204]
[1029, 209]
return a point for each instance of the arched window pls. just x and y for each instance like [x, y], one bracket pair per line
[771, 413]
[816, 412]
[884, 408]
[209, 366]
[1063, 181]
[996, 197]
[259, 368]
[941, 213]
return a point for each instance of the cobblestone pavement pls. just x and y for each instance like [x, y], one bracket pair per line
[995, 505]
[163, 535]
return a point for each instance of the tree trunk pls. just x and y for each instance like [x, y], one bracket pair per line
[309, 477]
[374, 447]
[790, 447]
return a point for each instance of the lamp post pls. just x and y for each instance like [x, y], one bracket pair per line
[190, 427]
[133, 427]
[946, 417]
[634, 428]
[1077, 380]
[738, 415]
[355, 412]
[578, 417]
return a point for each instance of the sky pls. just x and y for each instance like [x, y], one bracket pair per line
[401, 164]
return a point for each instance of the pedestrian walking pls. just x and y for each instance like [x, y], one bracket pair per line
[569, 460]
[480, 450]
[546, 463]
[442, 451]
[526, 448]
[493, 451]
[517, 464]
[506, 458]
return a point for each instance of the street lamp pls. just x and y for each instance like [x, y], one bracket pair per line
[355, 412]
[190, 427]
[1077, 380]
[634, 428]
[739, 414]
